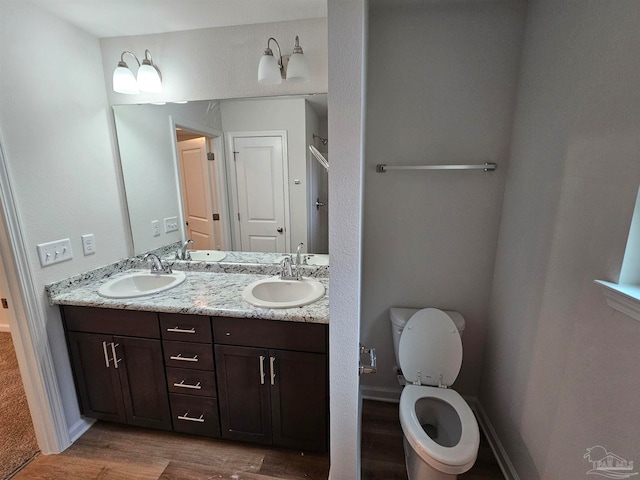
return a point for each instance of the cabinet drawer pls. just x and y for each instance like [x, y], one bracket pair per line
[197, 415]
[191, 382]
[111, 321]
[198, 356]
[248, 332]
[185, 328]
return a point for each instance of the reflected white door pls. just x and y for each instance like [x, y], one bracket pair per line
[196, 193]
[259, 166]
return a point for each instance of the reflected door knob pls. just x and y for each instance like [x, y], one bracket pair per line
[280, 229]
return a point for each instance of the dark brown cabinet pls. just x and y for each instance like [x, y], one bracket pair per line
[272, 395]
[260, 381]
[118, 378]
[191, 380]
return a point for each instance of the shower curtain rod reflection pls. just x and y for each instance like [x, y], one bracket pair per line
[319, 157]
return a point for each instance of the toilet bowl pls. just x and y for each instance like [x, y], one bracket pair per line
[441, 435]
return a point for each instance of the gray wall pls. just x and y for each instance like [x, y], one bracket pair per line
[561, 368]
[441, 89]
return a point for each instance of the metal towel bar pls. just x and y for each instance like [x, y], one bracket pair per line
[487, 167]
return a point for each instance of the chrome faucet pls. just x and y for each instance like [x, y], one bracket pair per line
[183, 252]
[291, 270]
[156, 264]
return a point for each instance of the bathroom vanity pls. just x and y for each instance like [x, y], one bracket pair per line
[199, 360]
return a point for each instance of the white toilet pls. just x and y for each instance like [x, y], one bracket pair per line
[441, 435]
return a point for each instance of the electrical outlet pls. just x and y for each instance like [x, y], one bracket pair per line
[155, 224]
[88, 244]
[170, 224]
[55, 252]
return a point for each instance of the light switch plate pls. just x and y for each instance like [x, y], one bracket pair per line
[54, 252]
[170, 224]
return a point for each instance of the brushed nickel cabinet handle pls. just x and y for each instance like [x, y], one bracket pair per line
[187, 385]
[116, 360]
[273, 372]
[106, 355]
[191, 419]
[261, 369]
[180, 358]
[177, 329]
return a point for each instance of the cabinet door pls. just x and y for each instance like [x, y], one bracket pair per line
[299, 399]
[142, 378]
[243, 393]
[96, 377]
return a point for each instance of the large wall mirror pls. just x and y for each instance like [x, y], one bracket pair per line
[232, 175]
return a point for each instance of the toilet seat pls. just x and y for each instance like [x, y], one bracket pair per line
[430, 350]
[452, 460]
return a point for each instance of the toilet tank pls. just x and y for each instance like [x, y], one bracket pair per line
[400, 316]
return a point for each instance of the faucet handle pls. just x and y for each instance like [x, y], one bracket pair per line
[287, 271]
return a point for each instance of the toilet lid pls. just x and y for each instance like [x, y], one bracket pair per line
[430, 346]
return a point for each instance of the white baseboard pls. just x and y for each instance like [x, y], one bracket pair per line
[500, 453]
[78, 428]
[4, 327]
[381, 394]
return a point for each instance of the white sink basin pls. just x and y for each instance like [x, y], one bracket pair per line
[207, 255]
[137, 284]
[277, 293]
[318, 259]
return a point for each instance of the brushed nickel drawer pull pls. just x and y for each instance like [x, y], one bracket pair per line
[184, 359]
[186, 385]
[191, 419]
[177, 329]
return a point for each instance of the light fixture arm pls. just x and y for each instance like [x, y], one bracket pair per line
[130, 53]
[148, 60]
[268, 51]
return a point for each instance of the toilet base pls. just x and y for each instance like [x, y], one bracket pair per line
[418, 469]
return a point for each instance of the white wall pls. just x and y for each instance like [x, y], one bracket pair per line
[441, 89]
[278, 114]
[561, 368]
[55, 125]
[216, 63]
[147, 154]
[347, 77]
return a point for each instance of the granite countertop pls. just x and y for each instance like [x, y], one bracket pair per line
[202, 293]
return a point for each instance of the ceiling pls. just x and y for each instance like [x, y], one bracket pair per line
[116, 18]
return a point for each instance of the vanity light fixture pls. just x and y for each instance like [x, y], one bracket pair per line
[294, 68]
[148, 80]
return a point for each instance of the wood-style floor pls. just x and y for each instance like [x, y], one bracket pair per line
[115, 452]
[383, 453]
